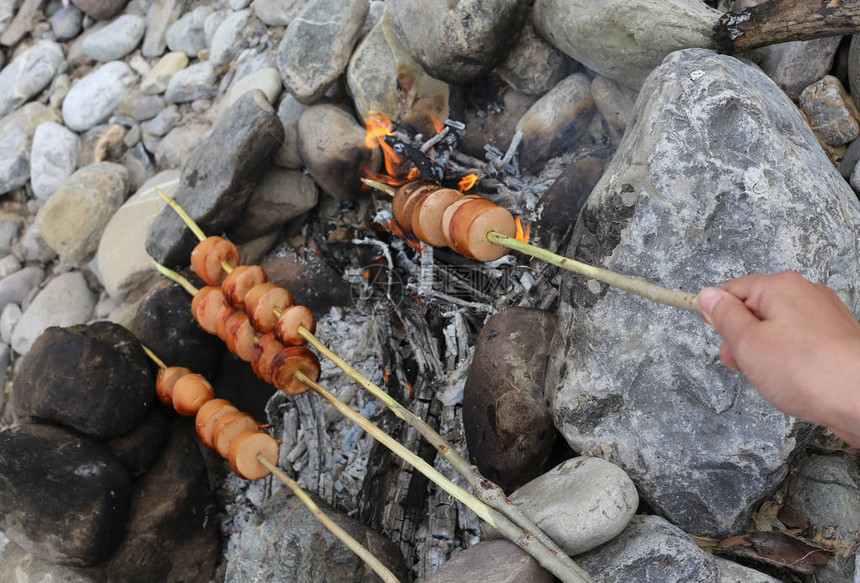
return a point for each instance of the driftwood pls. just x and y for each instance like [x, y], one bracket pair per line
[779, 21]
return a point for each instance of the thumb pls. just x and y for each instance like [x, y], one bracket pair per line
[726, 313]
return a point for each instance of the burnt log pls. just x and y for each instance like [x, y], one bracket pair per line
[779, 21]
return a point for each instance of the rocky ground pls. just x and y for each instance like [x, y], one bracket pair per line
[610, 127]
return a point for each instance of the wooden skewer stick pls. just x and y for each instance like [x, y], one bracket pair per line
[189, 222]
[633, 285]
[353, 545]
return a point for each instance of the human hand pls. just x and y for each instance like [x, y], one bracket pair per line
[796, 342]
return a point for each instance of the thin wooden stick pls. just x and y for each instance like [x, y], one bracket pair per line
[634, 285]
[175, 277]
[186, 218]
[152, 357]
[353, 545]
[379, 186]
[524, 539]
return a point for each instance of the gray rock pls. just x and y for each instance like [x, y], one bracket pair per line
[650, 549]
[580, 504]
[280, 195]
[830, 111]
[267, 80]
[9, 265]
[17, 286]
[850, 159]
[458, 42]
[11, 226]
[116, 40]
[794, 66]
[65, 301]
[213, 21]
[557, 122]
[158, 78]
[289, 112]
[197, 81]
[317, 45]
[17, 130]
[123, 264]
[854, 69]
[100, 9]
[496, 123]
[94, 98]
[53, 158]
[7, 13]
[17, 561]
[825, 490]
[624, 39]
[67, 23]
[614, 102]
[28, 73]
[186, 34]
[534, 66]
[74, 218]
[9, 318]
[139, 165]
[218, 177]
[227, 37]
[278, 12]
[332, 146]
[164, 121]
[383, 78]
[160, 16]
[731, 572]
[631, 380]
[499, 561]
[177, 146]
[305, 552]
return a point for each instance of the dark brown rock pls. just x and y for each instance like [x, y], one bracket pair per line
[100, 9]
[94, 378]
[492, 113]
[331, 144]
[172, 532]
[137, 449]
[64, 498]
[509, 431]
[164, 323]
[309, 277]
[218, 177]
[499, 561]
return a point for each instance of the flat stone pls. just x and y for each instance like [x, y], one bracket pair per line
[53, 158]
[499, 561]
[383, 78]
[580, 504]
[794, 66]
[65, 301]
[116, 40]
[14, 288]
[227, 37]
[28, 74]
[630, 397]
[557, 122]
[277, 12]
[218, 177]
[279, 196]
[267, 80]
[195, 82]
[317, 45]
[507, 424]
[124, 266]
[305, 552]
[186, 34]
[624, 39]
[650, 549]
[40, 515]
[160, 16]
[534, 66]
[67, 23]
[17, 130]
[92, 378]
[832, 114]
[74, 218]
[332, 146]
[458, 42]
[94, 98]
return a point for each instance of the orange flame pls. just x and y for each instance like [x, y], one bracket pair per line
[378, 126]
[467, 182]
[395, 228]
[522, 234]
[437, 125]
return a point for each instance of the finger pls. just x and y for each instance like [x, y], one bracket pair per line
[728, 358]
[726, 313]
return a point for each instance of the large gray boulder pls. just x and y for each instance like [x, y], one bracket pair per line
[717, 175]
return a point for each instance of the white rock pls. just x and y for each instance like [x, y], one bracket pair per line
[9, 318]
[191, 83]
[9, 265]
[159, 76]
[94, 98]
[15, 288]
[53, 158]
[267, 80]
[186, 34]
[581, 503]
[116, 40]
[122, 260]
[225, 42]
[28, 73]
[7, 12]
[17, 130]
[65, 301]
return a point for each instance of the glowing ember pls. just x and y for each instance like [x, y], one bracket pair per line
[467, 182]
[378, 126]
[522, 234]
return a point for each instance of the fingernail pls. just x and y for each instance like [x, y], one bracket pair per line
[709, 297]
